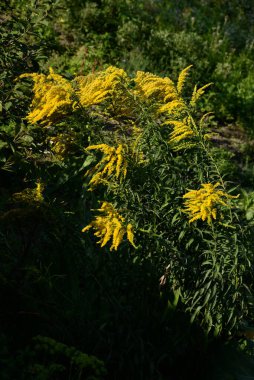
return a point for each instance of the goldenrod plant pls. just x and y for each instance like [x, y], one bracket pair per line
[112, 164]
[202, 204]
[177, 260]
[110, 225]
[96, 88]
[52, 95]
[154, 163]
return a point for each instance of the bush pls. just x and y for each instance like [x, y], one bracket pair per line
[154, 161]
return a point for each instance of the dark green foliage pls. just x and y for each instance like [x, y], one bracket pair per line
[162, 37]
[48, 359]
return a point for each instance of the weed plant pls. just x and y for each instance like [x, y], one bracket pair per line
[160, 184]
[162, 273]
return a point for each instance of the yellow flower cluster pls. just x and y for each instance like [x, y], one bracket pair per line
[197, 93]
[112, 164]
[175, 107]
[171, 103]
[182, 129]
[110, 225]
[162, 89]
[52, 96]
[178, 113]
[38, 192]
[182, 79]
[97, 87]
[30, 195]
[202, 204]
[150, 86]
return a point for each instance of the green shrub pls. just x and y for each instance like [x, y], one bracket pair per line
[153, 157]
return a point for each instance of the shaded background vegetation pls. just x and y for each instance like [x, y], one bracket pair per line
[57, 283]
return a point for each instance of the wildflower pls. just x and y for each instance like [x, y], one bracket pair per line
[164, 89]
[98, 87]
[110, 226]
[38, 197]
[52, 97]
[151, 86]
[174, 107]
[29, 195]
[112, 164]
[202, 204]
[182, 130]
[197, 93]
[181, 79]
[170, 103]
[130, 234]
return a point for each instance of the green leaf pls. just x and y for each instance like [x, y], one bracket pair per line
[250, 214]
[7, 106]
[88, 161]
[3, 144]
[181, 235]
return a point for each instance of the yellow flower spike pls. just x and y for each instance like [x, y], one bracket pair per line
[28, 195]
[151, 86]
[87, 228]
[118, 240]
[109, 168]
[107, 231]
[38, 191]
[182, 78]
[202, 204]
[115, 237]
[197, 93]
[110, 225]
[52, 97]
[181, 130]
[106, 149]
[98, 87]
[130, 234]
[175, 106]
[112, 165]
